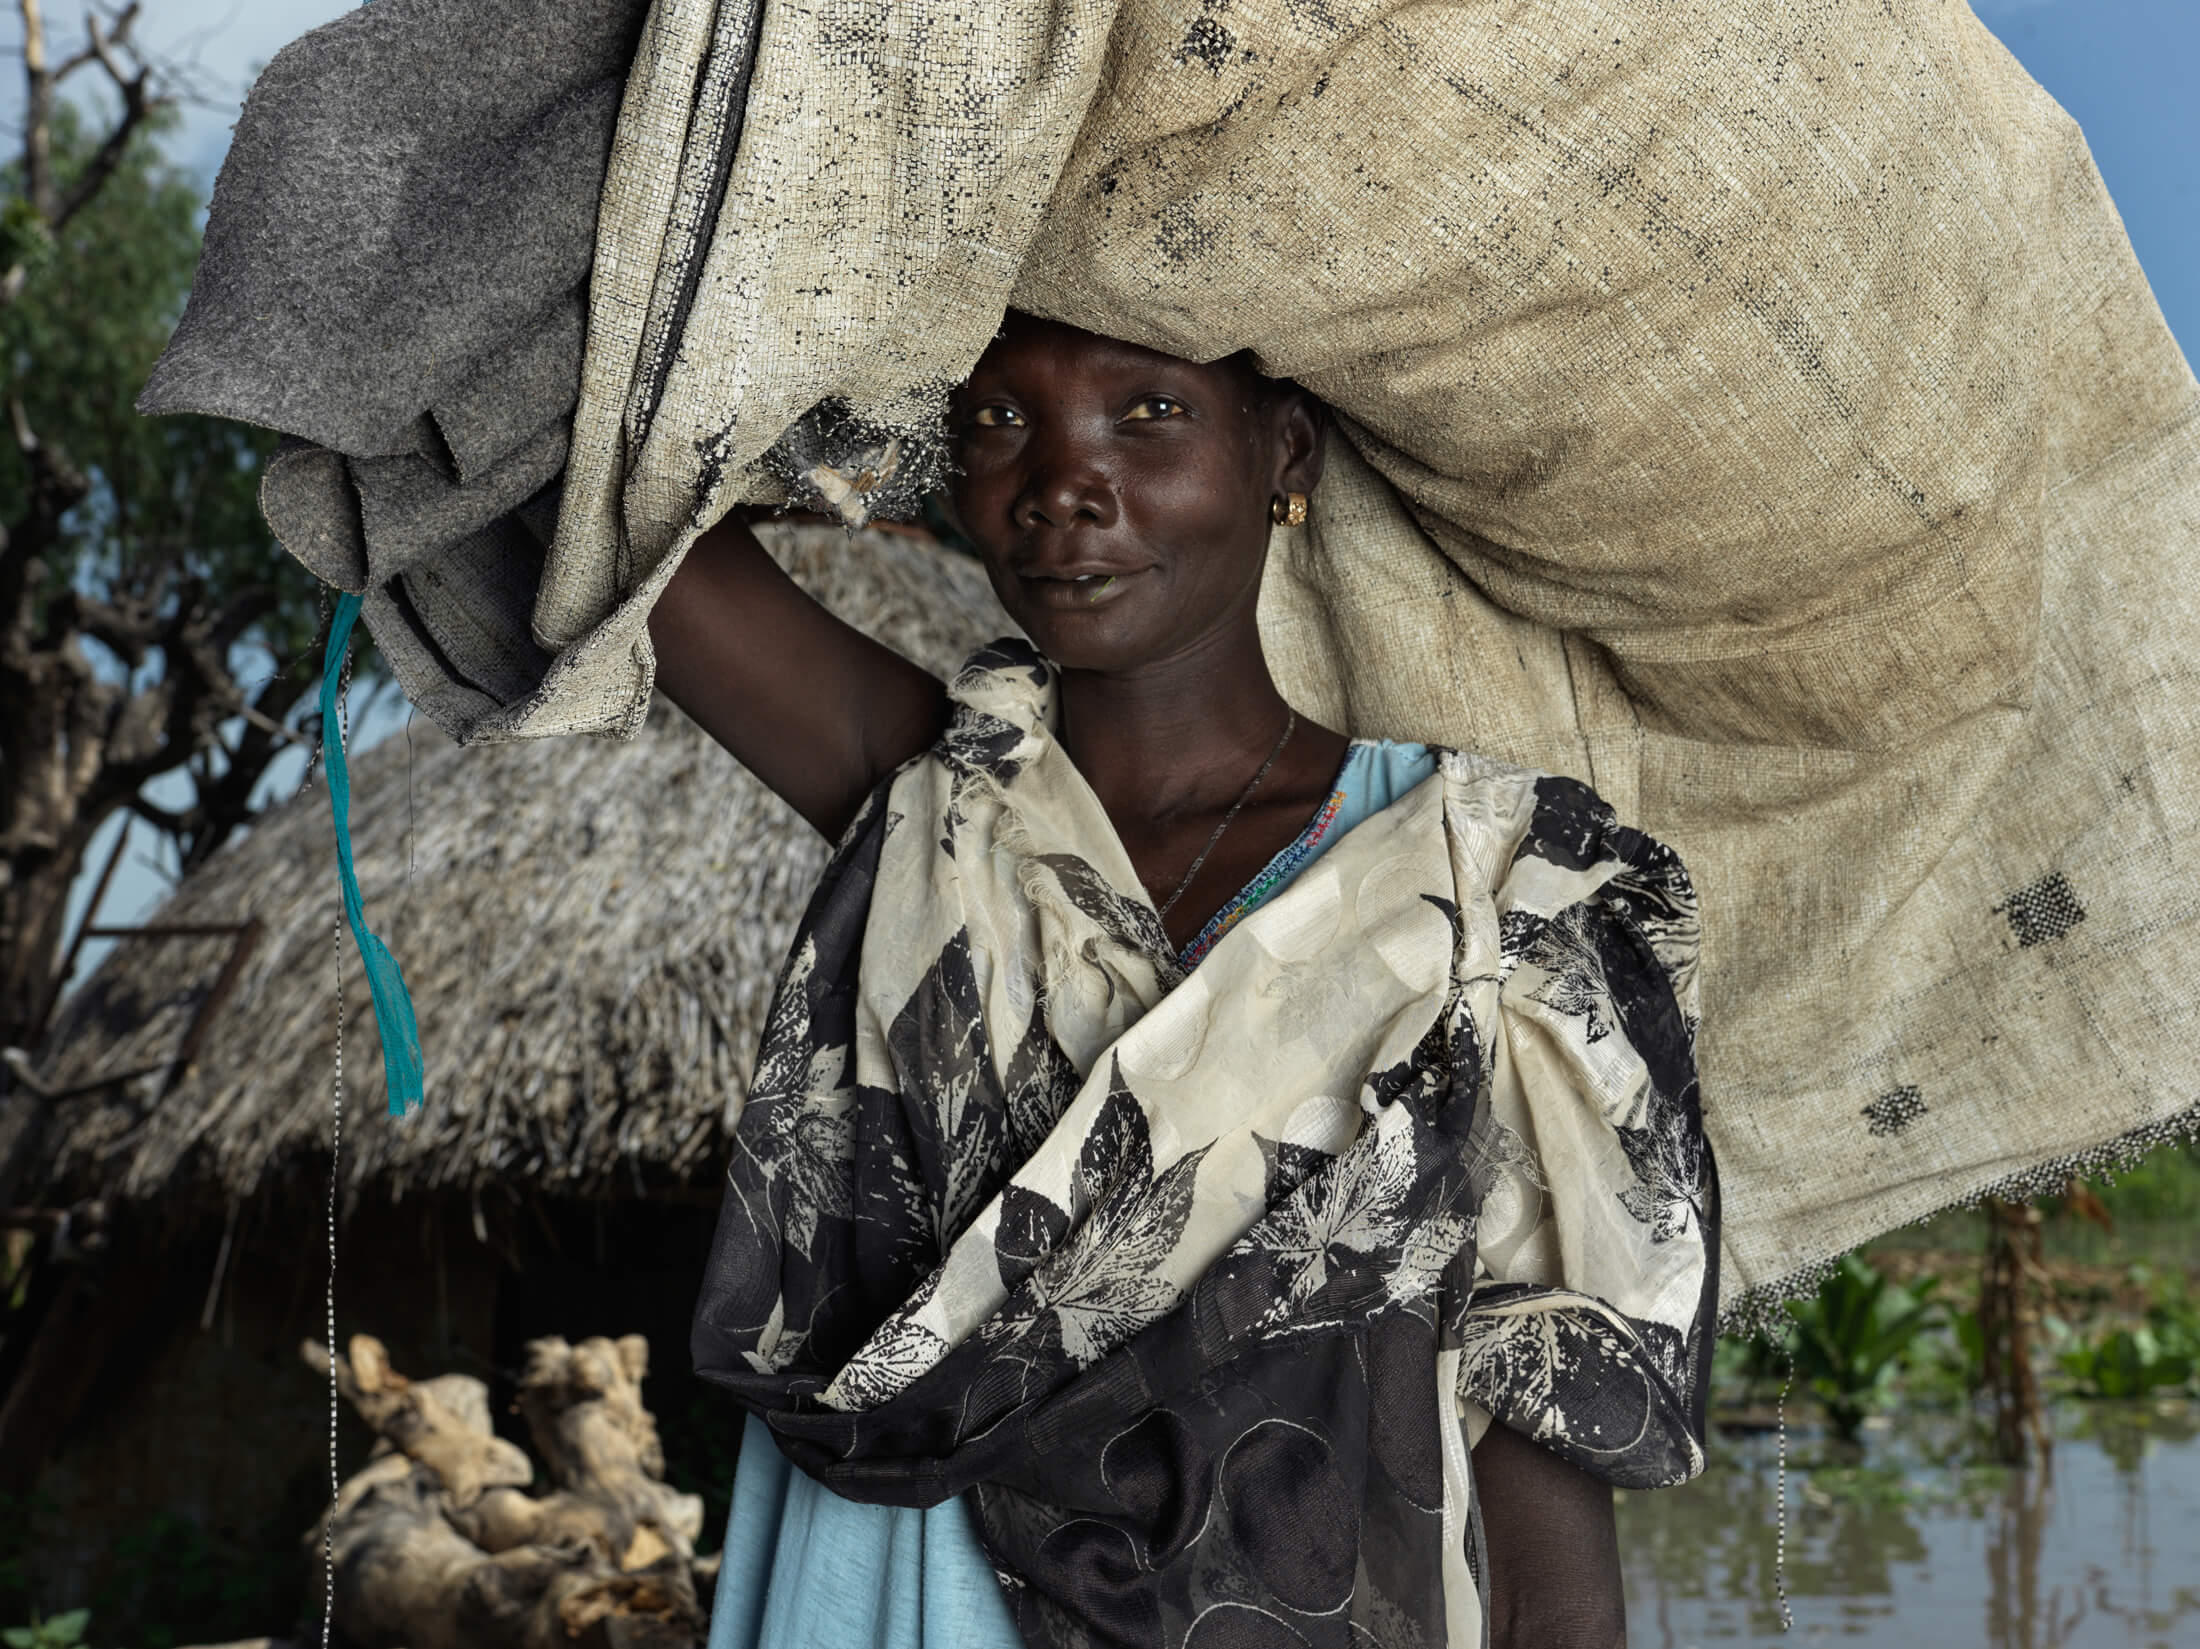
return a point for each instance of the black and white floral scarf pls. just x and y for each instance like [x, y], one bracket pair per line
[1205, 1283]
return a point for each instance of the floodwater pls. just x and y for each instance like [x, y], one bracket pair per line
[1913, 1543]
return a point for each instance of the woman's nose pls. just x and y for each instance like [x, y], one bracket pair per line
[1064, 485]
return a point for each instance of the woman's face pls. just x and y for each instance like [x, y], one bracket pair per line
[1120, 497]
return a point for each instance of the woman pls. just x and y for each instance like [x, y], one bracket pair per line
[1181, 1126]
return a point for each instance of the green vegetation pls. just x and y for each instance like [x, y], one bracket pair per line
[1851, 1343]
[1899, 1329]
[2127, 1362]
[61, 1632]
[168, 1581]
[2162, 1186]
[2153, 1210]
[2161, 1352]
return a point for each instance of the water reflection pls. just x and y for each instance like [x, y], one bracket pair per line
[1906, 1542]
[2016, 1615]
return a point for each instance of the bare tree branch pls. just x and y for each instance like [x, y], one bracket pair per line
[244, 609]
[164, 722]
[69, 65]
[49, 466]
[134, 81]
[125, 629]
[275, 730]
[56, 487]
[119, 33]
[101, 46]
[87, 714]
[160, 818]
[37, 112]
[136, 742]
[138, 104]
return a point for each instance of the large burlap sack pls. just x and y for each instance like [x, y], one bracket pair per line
[1753, 408]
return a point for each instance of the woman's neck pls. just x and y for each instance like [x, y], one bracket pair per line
[1179, 735]
[1169, 749]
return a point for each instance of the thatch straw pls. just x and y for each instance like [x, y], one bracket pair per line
[590, 930]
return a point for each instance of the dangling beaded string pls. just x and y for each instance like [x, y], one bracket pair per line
[336, 1146]
[412, 817]
[1780, 1537]
[335, 1163]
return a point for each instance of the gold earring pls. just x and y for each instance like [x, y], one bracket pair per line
[1289, 510]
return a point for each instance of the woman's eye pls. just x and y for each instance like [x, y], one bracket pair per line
[996, 417]
[1158, 406]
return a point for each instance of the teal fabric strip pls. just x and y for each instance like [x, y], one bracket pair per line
[393, 1008]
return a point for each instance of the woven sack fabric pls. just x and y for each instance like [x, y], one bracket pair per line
[1752, 408]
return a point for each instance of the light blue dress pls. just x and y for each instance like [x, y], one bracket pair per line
[805, 1569]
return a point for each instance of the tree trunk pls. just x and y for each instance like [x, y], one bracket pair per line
[2008, 1320]
[34, 902]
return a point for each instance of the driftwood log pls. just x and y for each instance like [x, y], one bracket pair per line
[439, 1542]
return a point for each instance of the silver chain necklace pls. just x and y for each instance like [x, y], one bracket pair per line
[1290, 725]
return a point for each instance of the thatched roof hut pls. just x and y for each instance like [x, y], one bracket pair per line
[590, 931]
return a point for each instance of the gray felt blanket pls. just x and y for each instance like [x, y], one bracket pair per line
[396, 275]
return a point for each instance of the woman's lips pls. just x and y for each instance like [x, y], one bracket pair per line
[1071, 592]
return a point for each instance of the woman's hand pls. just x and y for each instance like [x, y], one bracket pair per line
[813, 707]
[1553, 1548]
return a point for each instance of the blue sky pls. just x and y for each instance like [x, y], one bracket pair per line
[2126, 69]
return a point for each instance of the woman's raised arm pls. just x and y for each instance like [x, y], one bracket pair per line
[812, 706]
